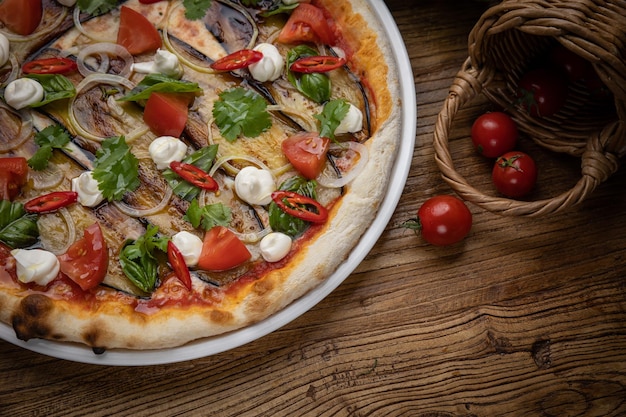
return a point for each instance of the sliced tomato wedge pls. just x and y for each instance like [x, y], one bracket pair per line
[237, 60]
[307, 153]
[222, 250]
[13, 174]
[166, 113]
[320, 63]
[58, 65]
[86, 261]
[194, 175]
[307, 23]
[300, 206]
[177, 262]
[136, 33]
[21, 16]
[51, 201]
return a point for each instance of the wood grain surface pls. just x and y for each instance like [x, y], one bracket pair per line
[526, 317]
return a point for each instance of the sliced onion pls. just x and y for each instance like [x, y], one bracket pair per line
[252, 237]
[225, 161]
[104, 50]
[79, 26]
[71, 233]
[46, 179]
[136, 212]
[38, 34]
[26, 130]
[347, 177]
[249, 18]
[15, 68]
[307, 123]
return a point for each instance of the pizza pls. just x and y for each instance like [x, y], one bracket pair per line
[175, 170]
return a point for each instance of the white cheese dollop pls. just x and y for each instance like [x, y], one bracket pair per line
[352, 122]
[275, 246]
[270, 66]
[255, 186]
[189, 245]
[166, 149]
[86, 186]
[4, 49]
[36, 265]
[67, 3]
[164, 62]
[23, 92]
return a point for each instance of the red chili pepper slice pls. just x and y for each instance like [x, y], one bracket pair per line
[237, 60]
[310, 64]
[177, 262]
[51, 201]
[49, 66]
[300, 206]
[194, 175]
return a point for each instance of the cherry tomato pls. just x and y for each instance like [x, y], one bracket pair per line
[13, 174]
[166, 113]
[50, 66]
[514, 174]
[51, 201]
[136, 33]
[307, 153]
[494, 134]
[194, 175]
[442, 220]
[542, 91]
[21, 16]
[572, 65]
[86, 261]
[300, 206]
[320, 63]
[177, 262]
[307, 23]
[222, 250]
[237, 60]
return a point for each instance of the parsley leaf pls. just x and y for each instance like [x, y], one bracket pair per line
[115, 168]
[208, 216]
[332, 115]
[53, 136]
[18, 229]
[138, 258]
[96, 7]
[241, 112]
[196, 9]
[160, 83]
[55, 87]
[203, 159]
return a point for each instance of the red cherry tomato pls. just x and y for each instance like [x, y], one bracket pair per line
[300, 206]
[240, 59]
[166, 113]
[50, 66]
[514, 174]
[572, 65]
[307, 23]
[442, 220]
[542, 91]
[494, 134]
[177, 262]
[21, 16]
[194, 175]
[320, 63]
[307, 153]
[87, 260]
[222, 250]
[136, 33]
[13, 174]
[51, 201]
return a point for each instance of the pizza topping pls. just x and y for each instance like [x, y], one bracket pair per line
[115, 168]
[275, 246]
[166, 149]
[55, 87]
[67, 3]
[255, 186]
[317, 64]
[136, 33]
[13, 174]
[208, 216]
[307, 23]
[189, 245]
[240, 111]
[4, 49]
[49, 138]
[203, 159]
[177, 262]
[270, 67]
[166, 113]
[316, 86]
[222, 250]
[139, 261]
[349, 160]
[160, 83]
[18, 229]
[23, 92]
[86, 260]
[237, 60]
[194, 175]
[307, 152]
[51, 202]
[56, 65]
[300, 206]
[352, 121]
[86, 187]
[21, 16]
[36, 265]
[165, 63]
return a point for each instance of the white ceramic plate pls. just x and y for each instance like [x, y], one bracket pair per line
[214, 345]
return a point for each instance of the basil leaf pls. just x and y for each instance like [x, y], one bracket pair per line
[316, 86]
[55, 87]
[115, 168]
[53, 136]
[283, 222]
[138, 258]
[241, 112]
[208, 216]
[203, 159]
[160, 83]
[18, 229]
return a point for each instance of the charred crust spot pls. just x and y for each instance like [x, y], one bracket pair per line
[221, 317]
[30, 320]
[263, 286]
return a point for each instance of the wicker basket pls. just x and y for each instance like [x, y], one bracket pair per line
[503, 44]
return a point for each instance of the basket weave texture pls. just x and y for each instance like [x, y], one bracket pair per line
[503, 44]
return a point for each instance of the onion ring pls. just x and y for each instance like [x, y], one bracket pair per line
[135, 212]
[71, 233]
[347, 177]
[104, 50]
[79, 26]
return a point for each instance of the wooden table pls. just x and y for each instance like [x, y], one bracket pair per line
[526, 317]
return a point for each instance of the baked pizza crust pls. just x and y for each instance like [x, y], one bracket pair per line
[119, 325]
